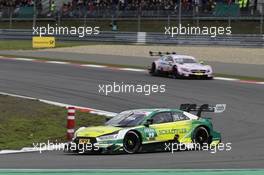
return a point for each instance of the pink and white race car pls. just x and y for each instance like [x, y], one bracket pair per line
[179, 66]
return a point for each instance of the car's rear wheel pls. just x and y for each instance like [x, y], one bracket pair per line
[201, 136]
[132, 142]
[153, 70]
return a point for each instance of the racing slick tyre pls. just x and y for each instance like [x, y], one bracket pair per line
[201, 137]
[153, 70]
[132, 142]
[175, 73]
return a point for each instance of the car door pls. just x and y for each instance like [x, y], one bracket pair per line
[166, 63]
[163, 125]
[182, 126]
[170, 62]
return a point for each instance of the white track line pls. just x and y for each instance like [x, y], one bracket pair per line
[262, 83]
[24, 59]
[226, 79]
[133, 70]
[57, 62]
[34, 149]
[90, 110]
[93, 65]
[19, 96]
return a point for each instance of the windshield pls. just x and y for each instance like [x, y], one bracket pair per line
[185, 60]
[127, 119]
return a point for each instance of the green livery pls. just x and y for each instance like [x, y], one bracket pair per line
[142, 129]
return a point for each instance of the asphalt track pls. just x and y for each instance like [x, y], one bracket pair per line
[242, 124]
[251, 70]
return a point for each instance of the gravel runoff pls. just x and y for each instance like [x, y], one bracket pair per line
[206, 53]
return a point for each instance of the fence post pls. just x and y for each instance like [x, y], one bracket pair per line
[70, 123]
[261, 18]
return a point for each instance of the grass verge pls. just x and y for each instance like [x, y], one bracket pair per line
[23, 122]
[27, 44]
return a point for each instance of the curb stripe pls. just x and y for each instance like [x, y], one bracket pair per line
[120, 69]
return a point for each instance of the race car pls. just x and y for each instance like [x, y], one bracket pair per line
[179, 66]
[143, 130]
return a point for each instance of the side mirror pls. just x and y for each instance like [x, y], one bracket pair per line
[107, 119]
[201, 62]
[148, 122]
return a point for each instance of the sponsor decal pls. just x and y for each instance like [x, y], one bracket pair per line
[173, 131]
[43, 42]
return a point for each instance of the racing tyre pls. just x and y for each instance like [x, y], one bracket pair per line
[153, 70]
[201, 136]
[132, 142]
[175, 73]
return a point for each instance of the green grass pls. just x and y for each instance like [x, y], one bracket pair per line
[24, 122]
[27, 44]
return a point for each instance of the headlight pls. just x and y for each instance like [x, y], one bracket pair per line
[108, 137]
[75, 133]
[209, 70]
[185, 70]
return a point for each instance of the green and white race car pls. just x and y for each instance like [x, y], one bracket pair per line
[148, 129]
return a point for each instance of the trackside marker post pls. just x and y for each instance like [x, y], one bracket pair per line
[70, 123]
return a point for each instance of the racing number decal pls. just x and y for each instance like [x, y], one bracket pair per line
[150, 133]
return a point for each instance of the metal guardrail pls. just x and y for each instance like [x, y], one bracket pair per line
[142, 37]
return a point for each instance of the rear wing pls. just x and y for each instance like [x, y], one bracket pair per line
[218, 108]
[152, 53]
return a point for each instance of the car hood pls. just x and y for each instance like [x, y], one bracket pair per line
[96, 131]
[195, 66]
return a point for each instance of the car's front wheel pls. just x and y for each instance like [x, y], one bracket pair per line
[132, 142]
[175, 73]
